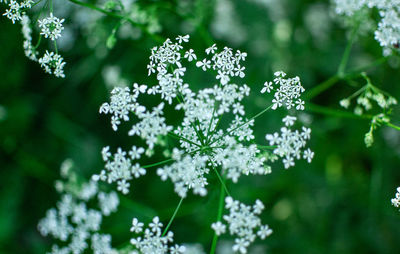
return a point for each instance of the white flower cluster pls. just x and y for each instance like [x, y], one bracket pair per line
[236, 159]
[396, 200]
[30, 50]
[244, 224]
[73, 221]
[154, 241]
[287, 93]
[203, 142]
[388, 32]
[290, 144]
[53, 64]
[121, 168]
[226, 63]
[16, 10]
[51, 27]
[187, 172]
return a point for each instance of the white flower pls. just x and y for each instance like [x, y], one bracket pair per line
[152, 241]
[267, 87]
[308, 155]
[211, 49]
[290, 143]
[205, 64]
[181, 38]
[53, 64]
[51, 27]
[218, 227]
[14, 11]
[289, 90]
[264, 231]
[190, 55]
[289, 120]
[75, 223]
[243, 223]
[123, 186]
[137, 226]
[105, 153]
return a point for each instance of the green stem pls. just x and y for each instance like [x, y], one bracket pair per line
[240, 126]
[335, 112]
[219, 217]
[171, 134]
[316, 90]
[55, 47]
[172, 218]
[346, 54]
[157, 163]
[38, 43]
[222, 181]
[321, 87]
[155, 37]
[392, 125]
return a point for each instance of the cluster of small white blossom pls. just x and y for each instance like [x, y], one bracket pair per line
[120, 168]
[124, 101]
[287, 93]
[396, 200]
[203, 142]
[72, 221]
[51, 28]
[388, 32]
[290, 144]
[243, 223]
[30, 50]
[53, 64]
[236, 159]
[365, 98]
[187, 172]
[16, 10]
[226, 63]
[154, 241]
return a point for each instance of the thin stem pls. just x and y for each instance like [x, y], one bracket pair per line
[392, 125]
[172, 218]
[316, 90]
[335, 112]
[157, 163]
[55, 46]
[219, 217]
[171, 134]
[38, 43]
[155, 37]
[222, 181]
[346, 54]
[321, 87]
[247, 122]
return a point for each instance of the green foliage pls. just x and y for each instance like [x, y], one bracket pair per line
[338, 204]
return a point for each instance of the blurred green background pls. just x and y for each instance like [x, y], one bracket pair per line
[340, 203]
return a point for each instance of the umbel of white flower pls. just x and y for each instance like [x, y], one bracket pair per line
[290, 144]
[396, 199]
[51, 27]
[204, 144]
[154, 241]
[73, 222]
[243, 223]
[388, 29]
[287, 93]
